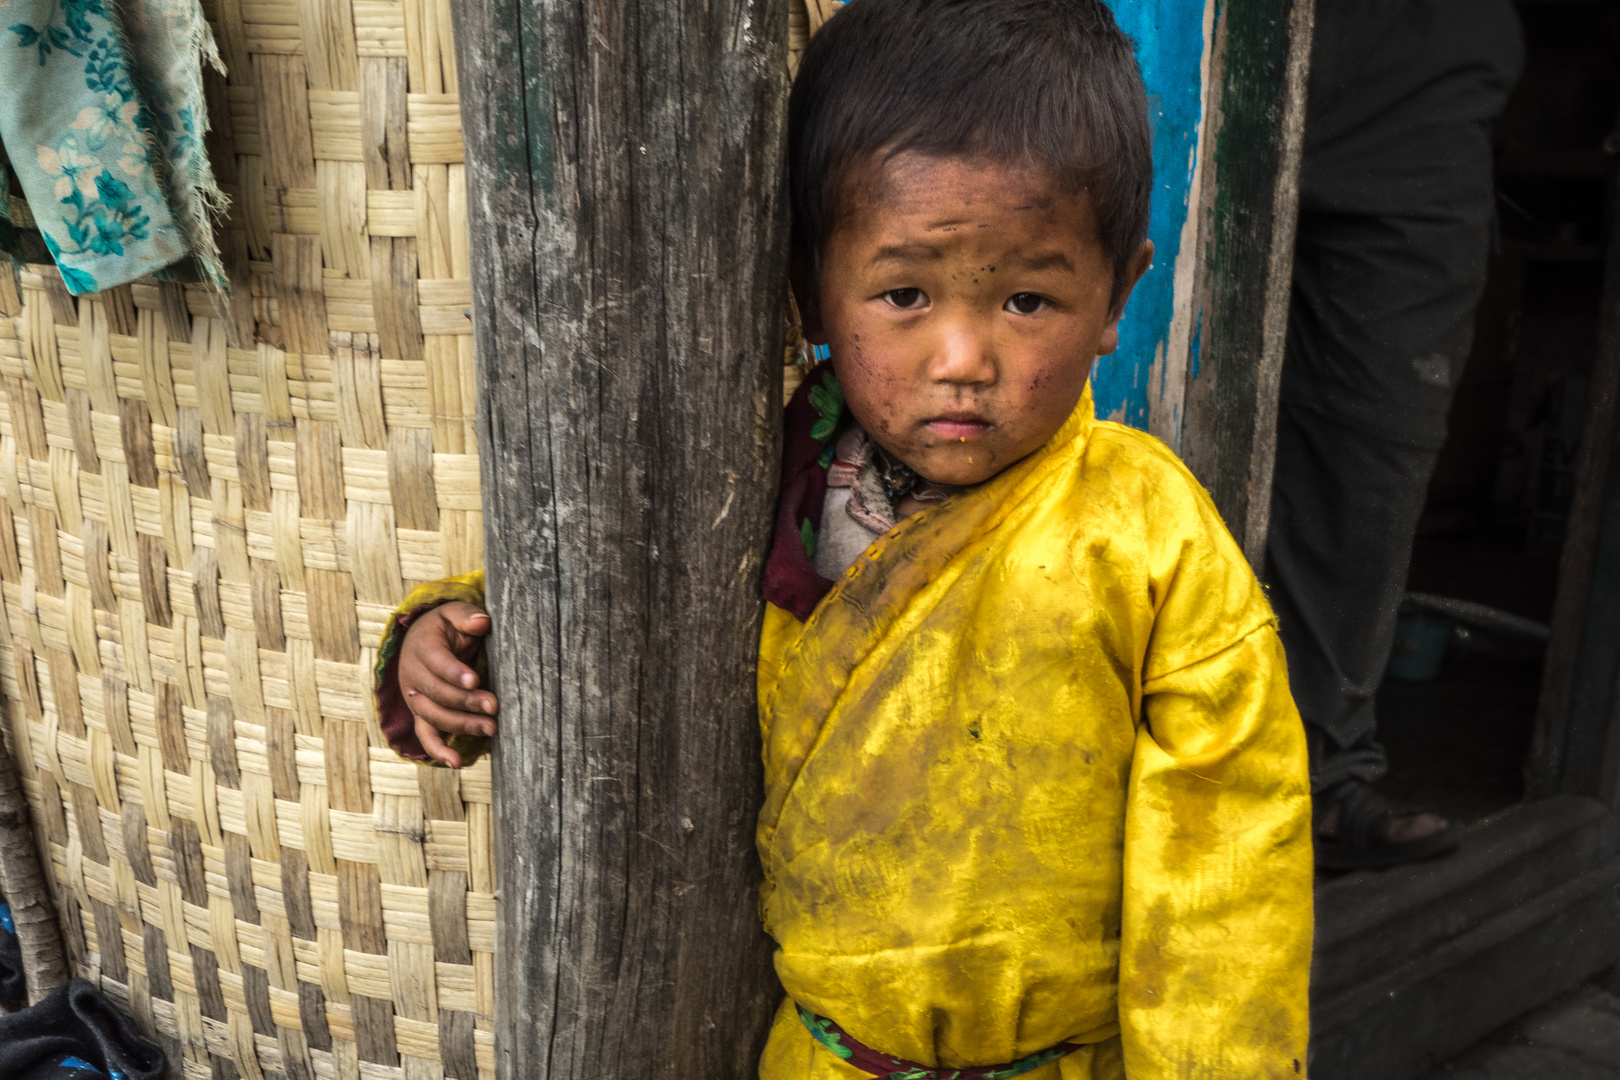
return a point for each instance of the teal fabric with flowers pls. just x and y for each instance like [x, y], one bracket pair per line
[102, 119]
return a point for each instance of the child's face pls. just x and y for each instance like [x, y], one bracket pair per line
[964, 302]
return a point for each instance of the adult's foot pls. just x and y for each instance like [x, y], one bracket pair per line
[1358, 828]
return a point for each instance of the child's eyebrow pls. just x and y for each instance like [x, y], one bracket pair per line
[904, 253]
[916, 250]
[1045, 261]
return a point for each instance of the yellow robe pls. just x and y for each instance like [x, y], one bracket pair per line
[1033, 774]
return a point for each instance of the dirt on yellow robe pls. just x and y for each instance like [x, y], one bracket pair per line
[1033, 774]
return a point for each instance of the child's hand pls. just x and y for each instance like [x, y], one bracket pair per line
[438, 686]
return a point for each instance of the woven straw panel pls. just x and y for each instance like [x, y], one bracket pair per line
[205, 523]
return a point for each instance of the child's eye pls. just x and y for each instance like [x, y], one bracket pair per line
[1025, 303]
[906, 299]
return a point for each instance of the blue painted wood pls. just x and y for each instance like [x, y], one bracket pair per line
[1143, 382]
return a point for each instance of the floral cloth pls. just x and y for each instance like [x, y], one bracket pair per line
[102, 119]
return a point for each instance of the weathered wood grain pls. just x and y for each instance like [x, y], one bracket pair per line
[44, 963]
[1372, 922]
[1250, 203]
[1575, 746]
[1418, 1013]
[625, 168]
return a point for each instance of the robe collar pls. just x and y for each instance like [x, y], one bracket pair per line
[791, 581]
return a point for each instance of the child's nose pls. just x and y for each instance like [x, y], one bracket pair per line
[963, 355]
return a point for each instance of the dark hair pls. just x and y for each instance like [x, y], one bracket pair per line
[1049, 83]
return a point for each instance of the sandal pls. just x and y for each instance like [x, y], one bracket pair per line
[1360, 840]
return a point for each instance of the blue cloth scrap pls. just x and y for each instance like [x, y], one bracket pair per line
[102, 118]
[78, 1064]
[13, 984]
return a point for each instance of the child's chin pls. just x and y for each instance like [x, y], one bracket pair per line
[959, 469]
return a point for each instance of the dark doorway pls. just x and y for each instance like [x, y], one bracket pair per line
[1499, 503]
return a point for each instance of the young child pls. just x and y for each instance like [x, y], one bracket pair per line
[1036, 793]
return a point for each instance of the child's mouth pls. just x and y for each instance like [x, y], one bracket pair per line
[958, 428]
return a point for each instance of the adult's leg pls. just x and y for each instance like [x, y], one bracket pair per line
[1396, 211]
[1345, 503]
[1381, 323]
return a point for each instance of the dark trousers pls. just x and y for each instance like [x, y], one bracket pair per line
[1395, 225]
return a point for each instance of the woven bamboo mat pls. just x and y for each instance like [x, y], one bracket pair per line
[206, 523]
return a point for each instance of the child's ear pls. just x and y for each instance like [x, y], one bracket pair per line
[1139, 264]
[802, 280]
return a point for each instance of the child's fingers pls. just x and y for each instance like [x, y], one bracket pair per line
[434, 745]
[452, 720]
[468, 618]
[447, 666]
[481, 703]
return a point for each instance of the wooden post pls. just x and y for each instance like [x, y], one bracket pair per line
[625, 182]
[1577, 738]
[1250, 200]
[44, 963]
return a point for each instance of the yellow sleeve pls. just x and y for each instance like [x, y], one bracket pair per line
[393, 718]
[777, 635]
[467, 587]
[1216, 929]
